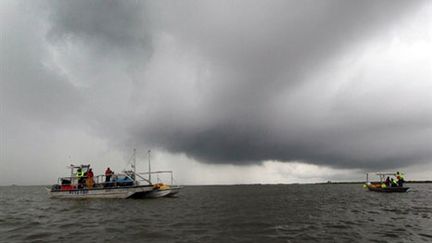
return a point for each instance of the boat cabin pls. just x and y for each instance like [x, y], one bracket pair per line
[74, 181]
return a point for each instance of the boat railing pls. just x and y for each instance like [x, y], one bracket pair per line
[116, 180]
[138, 177]
[141, 174]
[381, 176]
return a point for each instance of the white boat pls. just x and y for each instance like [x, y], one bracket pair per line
[161, 189]
[128, 184]
[119, 186]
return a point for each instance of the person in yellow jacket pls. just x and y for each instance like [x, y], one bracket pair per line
[400, 179]
[393, 182]
[80, 176]
[79, 173]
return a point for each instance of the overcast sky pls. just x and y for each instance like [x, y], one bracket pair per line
[220, 91]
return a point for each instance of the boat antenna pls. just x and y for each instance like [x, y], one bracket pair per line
[134, 164]
[149, 165]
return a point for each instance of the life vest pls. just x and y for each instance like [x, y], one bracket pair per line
[80, 173]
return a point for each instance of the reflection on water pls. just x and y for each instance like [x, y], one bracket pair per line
[254, 213]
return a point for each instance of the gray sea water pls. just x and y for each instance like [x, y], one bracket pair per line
[246, 213]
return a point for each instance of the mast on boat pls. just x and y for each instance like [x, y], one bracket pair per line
[134, 165]
[149, 166]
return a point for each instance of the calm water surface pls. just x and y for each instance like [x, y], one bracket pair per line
[252, 213]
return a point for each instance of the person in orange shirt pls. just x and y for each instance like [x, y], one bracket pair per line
[108, 174]
[89, 180]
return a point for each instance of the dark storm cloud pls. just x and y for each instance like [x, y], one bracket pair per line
[262, 51]
[234, 82]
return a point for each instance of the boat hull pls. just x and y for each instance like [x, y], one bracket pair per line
[116, 192]
[388, 189]
[156, 193]
[174, 191]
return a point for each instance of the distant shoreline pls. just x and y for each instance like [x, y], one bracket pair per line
[272, 184]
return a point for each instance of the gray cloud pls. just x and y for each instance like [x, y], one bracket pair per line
[223, 82]
[29, 89]
[107, 26]
[260, 52]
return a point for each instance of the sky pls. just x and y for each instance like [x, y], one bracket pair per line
[221, 92]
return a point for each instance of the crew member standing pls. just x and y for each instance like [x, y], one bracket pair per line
[108, 174]
[89, 180]
[400, 179]
[80, 176]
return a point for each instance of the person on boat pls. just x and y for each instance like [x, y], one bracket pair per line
[108, 174]
[387, 181]
[79, 173]
[90, 174]
[400, 179]
[80, 176]
[393, 182]
[89, 180]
